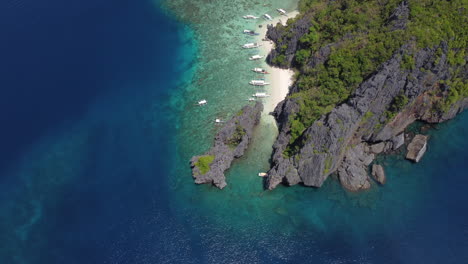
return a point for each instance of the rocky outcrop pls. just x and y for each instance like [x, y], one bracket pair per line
[378, 173]
[398, 141]
[353, 170]
[230, 143]
[332, 143]
[371, 121]
[399, 17]
[287, 39]
[417, 148]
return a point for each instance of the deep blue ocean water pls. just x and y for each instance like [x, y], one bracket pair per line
[90, 95]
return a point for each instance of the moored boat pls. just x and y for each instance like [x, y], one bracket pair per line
[258, 82]
[202, 102]
[260, 70]
[267, 16]
[255, 57]
[260, 95]
[281, 11]
[251, 45]
[250, 32]
[250, 17]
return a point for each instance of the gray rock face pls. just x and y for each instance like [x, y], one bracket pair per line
[377, 148]
[398, 141]
[417, 148]
[378, 174]
[325, 141]
[333, 143]
[353, 170]
[288, 38]
[400, 16]
[230, 143]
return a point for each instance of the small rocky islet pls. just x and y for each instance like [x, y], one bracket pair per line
[230, 143]
[352, 99]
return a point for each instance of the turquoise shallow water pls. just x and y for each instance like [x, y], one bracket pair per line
[298, 223]
[110, 183]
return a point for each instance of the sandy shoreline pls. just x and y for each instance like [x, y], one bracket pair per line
[280, 79]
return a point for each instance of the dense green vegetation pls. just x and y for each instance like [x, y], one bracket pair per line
[203, 163]
[236, 138]
[363, 39]
[397, 105]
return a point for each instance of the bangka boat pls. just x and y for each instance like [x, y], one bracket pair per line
[281, 11]
[255, 57]
[267, 16]
[260, 95]
[250, 17]
[260, 70]
[258, 82]
[250, 32]
[202, 102]
[251, 45]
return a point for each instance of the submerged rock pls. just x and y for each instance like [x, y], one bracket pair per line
[417, 148]
[378, 173]
[230, 143]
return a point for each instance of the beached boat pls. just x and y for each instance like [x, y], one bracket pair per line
[267, 16]
[260, 95]
[250, 32]
[251, 45]
[202, 102]
[281, 11]
[250, 17]
[255, 57]
[258, 83]
[260, 70]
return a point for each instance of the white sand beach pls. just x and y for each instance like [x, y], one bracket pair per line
[280, 79]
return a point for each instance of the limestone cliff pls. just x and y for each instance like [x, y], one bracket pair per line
[344, 140]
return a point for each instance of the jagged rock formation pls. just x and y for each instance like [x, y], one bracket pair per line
[230, 143]
[378, 173]
[417, 148]
[339, 141]
[400, 16]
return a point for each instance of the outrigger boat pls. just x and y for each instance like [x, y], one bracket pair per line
[281, 11]
[258, 83]
[260, 95]
[202, 102]
[260, 70]
[250, 32]
[251, 99]
[267, 16]
[251, 45]
[250, 17]
[255, 57]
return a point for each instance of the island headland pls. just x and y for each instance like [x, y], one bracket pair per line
[365, 71]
